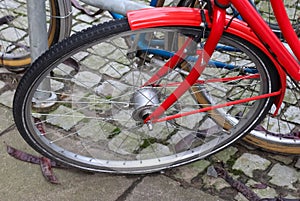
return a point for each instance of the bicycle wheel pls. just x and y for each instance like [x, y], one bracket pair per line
[83, 102]
[282, 132]
[14, 39]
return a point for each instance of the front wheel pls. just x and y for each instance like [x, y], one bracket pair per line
[84, 101]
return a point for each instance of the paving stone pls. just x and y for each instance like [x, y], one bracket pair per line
[111, 88]
[124, 143]
[177, 137]
[63, 70]
[214, 182]
[240, 197]
[263, 193]
[19, 179]
[250, 162]
[284, 159]
[297, 165]
[24, 181]
[289, 196]
[6, 98]
[103, 49]
[66, 121]
[94, 62]
[80, 27]
[290, 97]
[96, 130]
[163, 188]
[284, 176]
[12, 34]
[153, 151]
[2, 84]
[86, 79]
[225, 154]
[266, 193]
[275, 125]
[85, 18]
[114, 69]
[293, 114]
[161, 131]
[104, 19]
[6, 118]
[131, 77]
[118, 56]
[188, 172]
[56, 85]
[192, 120]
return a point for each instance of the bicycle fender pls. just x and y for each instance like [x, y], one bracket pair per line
[172, 16]
[165, 16]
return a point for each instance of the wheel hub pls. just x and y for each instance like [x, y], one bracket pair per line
[145, 100]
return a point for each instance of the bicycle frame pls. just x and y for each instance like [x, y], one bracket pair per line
[264, 38]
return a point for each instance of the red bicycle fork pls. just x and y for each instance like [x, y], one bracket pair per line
[209, 47]
[190, 17]
[268, 38]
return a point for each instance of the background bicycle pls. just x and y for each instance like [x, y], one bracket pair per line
[93, 86]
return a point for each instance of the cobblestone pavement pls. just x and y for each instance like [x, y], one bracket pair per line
[267, 174]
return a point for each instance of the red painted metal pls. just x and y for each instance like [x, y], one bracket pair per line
[255, 21]
[245, 100]
[213, 80]
[286, 27]
[170, 64]
[166, 16]
[209, 47]
[146, 18]
[229, 79]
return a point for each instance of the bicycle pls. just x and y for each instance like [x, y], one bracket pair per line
[133, 103]
[284, 140]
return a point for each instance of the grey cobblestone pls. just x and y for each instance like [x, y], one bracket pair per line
[264, 192]
[2, 84]
[214, 182]
[250, 162]
[188, 172]
[292, 116]
[284, 159]
[284, 176]
[64, 122]
[226, 154]
[6, 98]
[297, 165]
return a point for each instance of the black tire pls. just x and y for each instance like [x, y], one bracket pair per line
[96, 124]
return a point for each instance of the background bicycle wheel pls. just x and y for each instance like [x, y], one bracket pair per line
[14, 38]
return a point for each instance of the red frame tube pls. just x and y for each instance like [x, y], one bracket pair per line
[170, 64]
[216, 107]
[268, 38]
[286, 27]
[209, 47]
